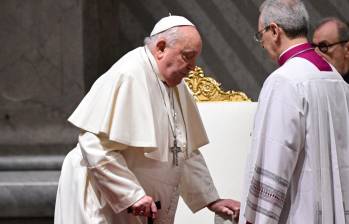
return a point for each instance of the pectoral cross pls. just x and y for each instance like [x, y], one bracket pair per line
[175, 149]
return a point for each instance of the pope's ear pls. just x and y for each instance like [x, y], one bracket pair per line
[160, 48]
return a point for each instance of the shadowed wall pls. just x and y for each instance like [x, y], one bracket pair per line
[230, 53]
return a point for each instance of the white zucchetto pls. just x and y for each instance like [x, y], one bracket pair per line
[169, 22]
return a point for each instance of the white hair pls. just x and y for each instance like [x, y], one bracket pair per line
[290, 15]
[171, 36]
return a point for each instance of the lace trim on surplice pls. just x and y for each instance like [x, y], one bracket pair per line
[268, 187]
[267, 193]
[263, 211]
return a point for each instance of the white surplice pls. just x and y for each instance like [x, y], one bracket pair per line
[298, 167]
[124, 148]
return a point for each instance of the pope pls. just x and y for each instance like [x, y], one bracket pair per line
[140, 131]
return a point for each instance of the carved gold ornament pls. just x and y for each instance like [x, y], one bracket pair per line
[207, 89]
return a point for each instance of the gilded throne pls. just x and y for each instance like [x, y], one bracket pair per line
[228, 118]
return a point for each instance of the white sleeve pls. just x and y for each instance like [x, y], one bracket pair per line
[109, 171]
[196, 186]
[278, 140]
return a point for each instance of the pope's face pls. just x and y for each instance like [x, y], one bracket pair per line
[337, 54]
[177, 60]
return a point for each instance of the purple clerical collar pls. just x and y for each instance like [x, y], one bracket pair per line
[307, 52]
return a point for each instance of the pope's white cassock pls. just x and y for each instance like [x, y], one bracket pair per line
[123, 152]
[298, 171]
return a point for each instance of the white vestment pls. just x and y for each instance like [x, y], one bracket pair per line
[298, 167]
[124, 148]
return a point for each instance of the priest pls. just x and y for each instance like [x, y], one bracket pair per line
[331, 38]
[140, 131]
[298, 167]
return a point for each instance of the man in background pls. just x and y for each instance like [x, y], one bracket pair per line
[331, 38]
[298, 167]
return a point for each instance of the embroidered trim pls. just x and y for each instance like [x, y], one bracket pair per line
[267, 193]
[266, 173]
[263, 211]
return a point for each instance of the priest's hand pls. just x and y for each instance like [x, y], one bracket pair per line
[227, 207]
[145, 207]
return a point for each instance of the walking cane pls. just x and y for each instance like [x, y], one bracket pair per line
[158, 206]
[150, 219]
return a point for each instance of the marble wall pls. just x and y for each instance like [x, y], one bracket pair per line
[41, 82]
[41, 70]
[52, 51]
[230, 53]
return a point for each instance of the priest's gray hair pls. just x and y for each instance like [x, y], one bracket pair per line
[290, 15]
[171, 36]
[342, 27]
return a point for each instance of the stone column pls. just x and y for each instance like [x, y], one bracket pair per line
[41, 82]
[41, 71]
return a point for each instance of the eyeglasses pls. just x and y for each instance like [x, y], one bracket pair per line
[323, 46]
[258, 36]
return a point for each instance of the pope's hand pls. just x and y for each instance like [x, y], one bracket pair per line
[145, 207]
[226, 207]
